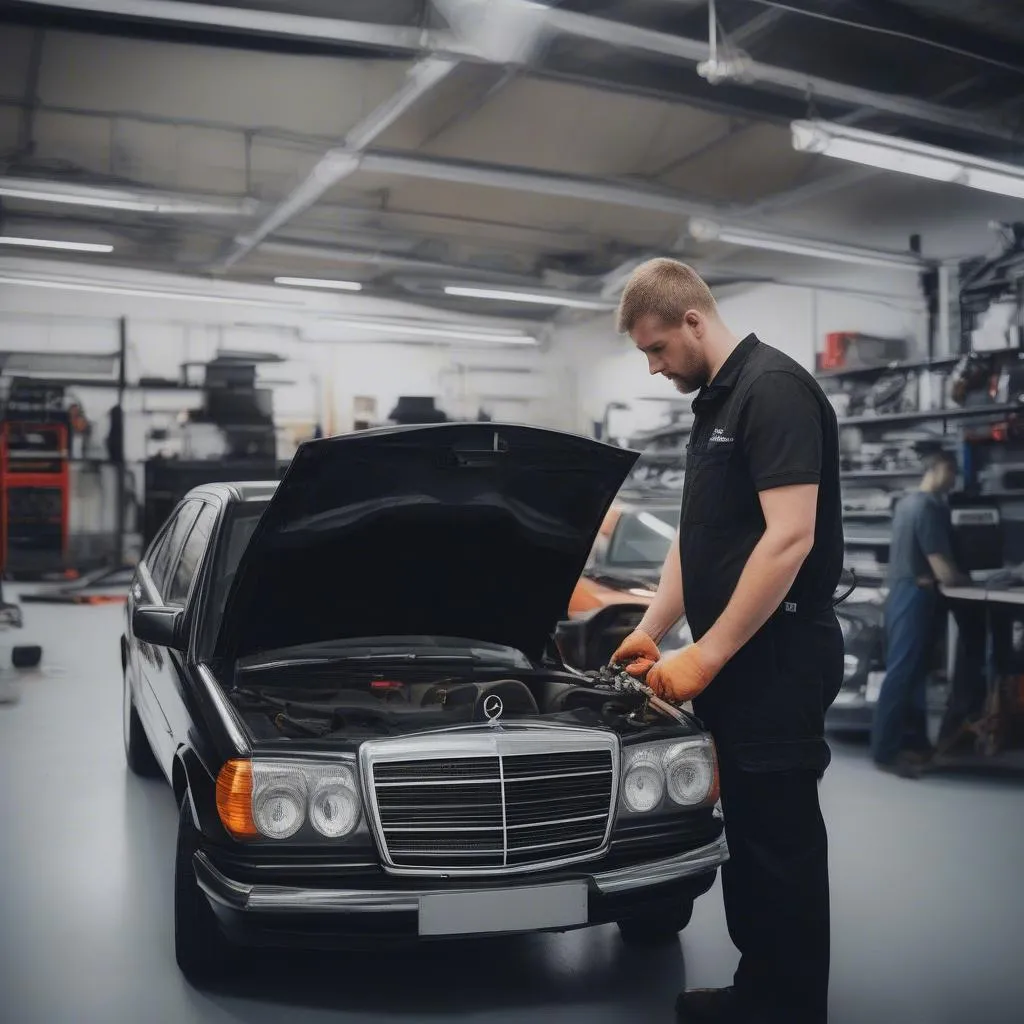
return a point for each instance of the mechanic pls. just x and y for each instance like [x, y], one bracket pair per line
[920, 558]
[758, 556]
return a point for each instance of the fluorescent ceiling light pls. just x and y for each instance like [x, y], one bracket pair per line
[456, 332]
[50, 243]
[538, 298]
[73, 194]
[708, 231]
[146, 293]
[316, 282]
[905, 157]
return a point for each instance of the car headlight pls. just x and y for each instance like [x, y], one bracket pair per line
[669, 774]
[334, 807]
[643, 782]
[279, 799]
[274, 799]
[690, 774]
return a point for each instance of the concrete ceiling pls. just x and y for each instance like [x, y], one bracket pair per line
[548, 145]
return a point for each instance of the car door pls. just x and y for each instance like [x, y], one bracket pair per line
[143, 591]
[180, 592]
[153, 662]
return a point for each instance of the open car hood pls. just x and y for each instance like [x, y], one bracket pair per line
[475, 530]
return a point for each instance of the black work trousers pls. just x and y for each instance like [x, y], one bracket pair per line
[776, 890]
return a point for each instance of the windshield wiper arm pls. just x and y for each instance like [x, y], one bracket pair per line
[342, 659]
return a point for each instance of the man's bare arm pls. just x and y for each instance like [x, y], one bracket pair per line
[667, 606]
[771, 569]
[947, 573]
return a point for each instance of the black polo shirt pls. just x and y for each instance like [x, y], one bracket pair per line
[763, 422]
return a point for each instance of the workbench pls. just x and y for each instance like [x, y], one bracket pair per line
[999, 735]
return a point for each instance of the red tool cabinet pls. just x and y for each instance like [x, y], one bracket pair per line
[34, 495]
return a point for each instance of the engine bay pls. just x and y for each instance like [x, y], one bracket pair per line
[359, 705]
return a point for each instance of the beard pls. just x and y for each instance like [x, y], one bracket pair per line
[684, 385]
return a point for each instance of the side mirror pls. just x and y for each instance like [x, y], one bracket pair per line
[160, 626]
[588, 642]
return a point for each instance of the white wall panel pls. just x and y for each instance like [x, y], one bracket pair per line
[324, 367]
[608, 368]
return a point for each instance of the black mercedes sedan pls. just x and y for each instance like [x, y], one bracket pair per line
[351, 681]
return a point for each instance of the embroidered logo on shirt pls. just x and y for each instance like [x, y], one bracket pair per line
[718, 437]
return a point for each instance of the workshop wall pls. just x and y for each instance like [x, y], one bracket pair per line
[794, 319]
[323, 375]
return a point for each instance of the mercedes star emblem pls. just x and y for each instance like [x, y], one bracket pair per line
[493, 707]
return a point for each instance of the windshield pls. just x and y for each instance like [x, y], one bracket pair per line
[642, 538]
[239, 528]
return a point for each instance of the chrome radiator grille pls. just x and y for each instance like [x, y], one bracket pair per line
[511, 809]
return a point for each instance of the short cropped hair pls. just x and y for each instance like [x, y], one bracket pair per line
[666, 289]
[935, 459]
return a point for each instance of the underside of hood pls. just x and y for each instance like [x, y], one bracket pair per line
[475, 530]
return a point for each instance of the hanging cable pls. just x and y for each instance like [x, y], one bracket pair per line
[894, 33]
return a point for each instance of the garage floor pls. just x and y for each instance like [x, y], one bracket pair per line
[928, 895]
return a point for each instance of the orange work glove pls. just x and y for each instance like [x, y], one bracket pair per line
[681, 676]
[637, 653]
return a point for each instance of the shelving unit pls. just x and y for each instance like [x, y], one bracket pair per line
[932, 416]
[877, 474]
[880, 428]
[912, 366]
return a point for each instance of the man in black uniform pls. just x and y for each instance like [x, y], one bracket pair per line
[754, 566]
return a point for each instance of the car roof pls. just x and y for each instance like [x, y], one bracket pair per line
[644, 503]
[236, 491]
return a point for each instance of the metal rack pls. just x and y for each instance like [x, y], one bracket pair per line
[962, 417]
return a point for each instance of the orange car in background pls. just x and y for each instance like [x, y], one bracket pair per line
[622, 573]
[626, 559]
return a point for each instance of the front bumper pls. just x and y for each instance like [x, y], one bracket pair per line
[262, 914]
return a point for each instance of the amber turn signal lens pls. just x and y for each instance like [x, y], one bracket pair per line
[234, 798]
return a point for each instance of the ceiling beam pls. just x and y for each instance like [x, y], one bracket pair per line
[523, 179]
[586, 189]
[400, 261]
[249, 19]
[341, 161]
[68, 193]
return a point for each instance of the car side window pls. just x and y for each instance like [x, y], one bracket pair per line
[176, 534]
[157, 551]
[191, 555]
